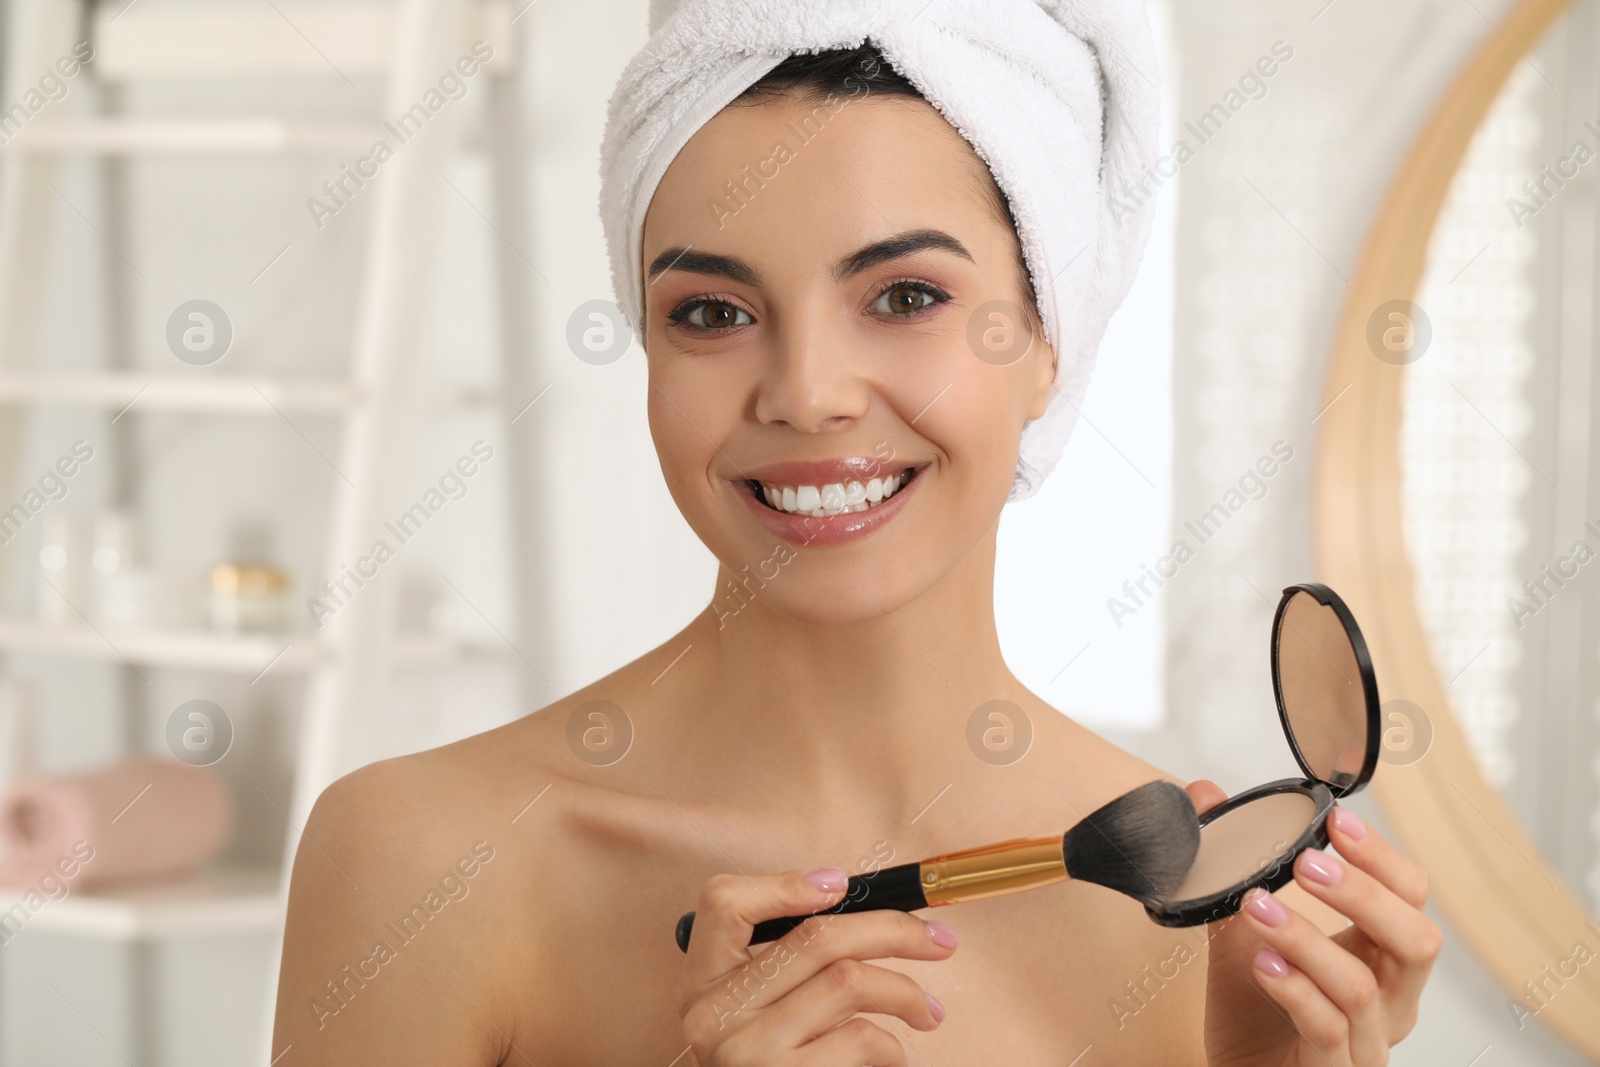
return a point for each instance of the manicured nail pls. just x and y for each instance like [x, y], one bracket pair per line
[828, 880]
[1266, 908]
[1349, 822]
[943, 934]
[1320, 867]
[935, 1007]
[1270, 963]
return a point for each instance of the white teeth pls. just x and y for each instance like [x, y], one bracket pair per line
[833, 498]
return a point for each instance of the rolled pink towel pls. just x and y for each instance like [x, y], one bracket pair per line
[138, 819]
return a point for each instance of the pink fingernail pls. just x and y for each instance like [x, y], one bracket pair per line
[935, 1007]
[1270, 963]
[1265, 907]
[1349, 822]
[1321, 867]
[943, 934]
[828, 880]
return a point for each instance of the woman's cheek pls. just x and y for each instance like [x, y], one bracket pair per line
[977, 421]
[681, 450]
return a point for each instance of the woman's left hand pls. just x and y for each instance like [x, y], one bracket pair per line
[1282, 992]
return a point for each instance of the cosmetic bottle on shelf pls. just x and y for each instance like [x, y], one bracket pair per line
[62, 566]
[129, 595]
[248, 598]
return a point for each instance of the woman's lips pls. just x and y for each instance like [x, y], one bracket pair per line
[823, 529]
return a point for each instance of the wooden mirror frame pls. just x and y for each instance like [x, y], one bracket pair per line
[1488, 878]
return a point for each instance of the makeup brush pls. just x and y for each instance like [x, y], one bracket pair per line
[1140, 844]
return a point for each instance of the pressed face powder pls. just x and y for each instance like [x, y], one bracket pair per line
[1248, 839]
[1327, 697]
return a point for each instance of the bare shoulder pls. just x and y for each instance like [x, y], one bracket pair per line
[1081, 755]
[409, 904]
[389, 905]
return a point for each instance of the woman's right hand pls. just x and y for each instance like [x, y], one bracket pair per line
[799, 999]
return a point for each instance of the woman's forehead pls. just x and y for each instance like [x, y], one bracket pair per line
[789, 176]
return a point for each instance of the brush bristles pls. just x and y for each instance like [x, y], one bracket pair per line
[1142, 844]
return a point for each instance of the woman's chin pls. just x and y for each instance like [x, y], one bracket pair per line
[811, 600]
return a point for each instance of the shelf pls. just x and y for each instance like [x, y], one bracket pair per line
[179, 393]
[145, 137]
[355, 40]
[266, 395]
[214, 650]
[224, 900]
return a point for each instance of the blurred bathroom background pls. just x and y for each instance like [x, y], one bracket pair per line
[235, 341]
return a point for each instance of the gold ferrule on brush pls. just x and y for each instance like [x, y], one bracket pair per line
[993, 871]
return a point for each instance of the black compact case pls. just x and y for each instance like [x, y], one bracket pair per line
[1327, 698]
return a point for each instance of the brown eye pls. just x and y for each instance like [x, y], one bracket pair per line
[902, 298]
[711, 315]
[905, 298]
[716, 315]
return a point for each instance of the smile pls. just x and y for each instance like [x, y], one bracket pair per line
[832, 498]
[829, 502]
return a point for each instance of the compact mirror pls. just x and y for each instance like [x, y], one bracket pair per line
[1328, 705]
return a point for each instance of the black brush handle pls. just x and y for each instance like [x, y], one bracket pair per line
[891, 889]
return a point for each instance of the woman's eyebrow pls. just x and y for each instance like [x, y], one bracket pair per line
[730, 267]
[879, 252]
[892, 248]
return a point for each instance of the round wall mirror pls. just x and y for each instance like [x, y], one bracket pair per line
[1457, 484]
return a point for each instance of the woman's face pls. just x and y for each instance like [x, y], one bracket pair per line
[821, 323]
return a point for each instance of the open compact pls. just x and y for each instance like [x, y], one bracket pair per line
[1328, 703]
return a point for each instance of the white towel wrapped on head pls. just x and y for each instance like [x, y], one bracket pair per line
[1058, 97]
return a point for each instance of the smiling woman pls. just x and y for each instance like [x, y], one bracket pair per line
[829, 428]
[827, 326]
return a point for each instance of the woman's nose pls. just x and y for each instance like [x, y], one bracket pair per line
[814, 381]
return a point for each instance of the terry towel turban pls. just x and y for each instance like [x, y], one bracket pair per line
[1058, 97]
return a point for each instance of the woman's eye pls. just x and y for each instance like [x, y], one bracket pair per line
[905, 298]
[711, 315]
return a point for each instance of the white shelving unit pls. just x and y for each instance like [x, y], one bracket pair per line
[191, 137]
[378, 404]
[202, 649]
[229, 900]
[195, 393]
[215, 394]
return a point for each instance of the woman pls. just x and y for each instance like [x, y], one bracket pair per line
[824, 426]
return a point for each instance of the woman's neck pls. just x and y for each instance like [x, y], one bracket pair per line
[866, 713]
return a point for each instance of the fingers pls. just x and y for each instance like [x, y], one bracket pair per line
[856, 1041]
[1381, 891]
[849, 987]
[825, 940]
[1389, 922]
[1330, 995]
[1205, 794]
[1317, 1020]
[1371, 851]
[804, 992]
[730, 906]
[740, 998]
